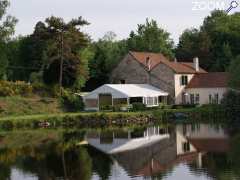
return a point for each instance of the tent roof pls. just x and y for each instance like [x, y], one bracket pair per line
[127, 90]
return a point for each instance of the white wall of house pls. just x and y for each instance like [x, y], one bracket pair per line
[181, 140]
[204, 94]
[179, 89]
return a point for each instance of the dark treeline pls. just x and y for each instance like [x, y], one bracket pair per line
[87, 64]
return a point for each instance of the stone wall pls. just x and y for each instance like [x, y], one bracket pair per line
[133, 72]
[162, 77]
[129, 70]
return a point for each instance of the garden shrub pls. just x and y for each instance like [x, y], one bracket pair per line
[71, 102]
[18, 88]
[231, 104]
[183, 106]
[107, 108]
[138, 107]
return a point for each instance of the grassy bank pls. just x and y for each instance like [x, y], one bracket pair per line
[112, 119]
[20, 106]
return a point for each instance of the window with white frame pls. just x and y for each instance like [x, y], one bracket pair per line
[210, 99]
[151, 101]
[216, 98]
[197, 98]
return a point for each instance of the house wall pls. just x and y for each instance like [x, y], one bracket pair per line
[180, 140]
[205, 92]
[179, 89]
[133, 72]
[129, 70]
[162, 77]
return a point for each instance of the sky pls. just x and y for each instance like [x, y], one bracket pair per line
[119, 16]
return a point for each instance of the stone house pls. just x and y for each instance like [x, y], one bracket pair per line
[157, 70]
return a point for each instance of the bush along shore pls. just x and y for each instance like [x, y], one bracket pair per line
[114, 119]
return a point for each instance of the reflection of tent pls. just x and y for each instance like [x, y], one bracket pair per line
[115, 94]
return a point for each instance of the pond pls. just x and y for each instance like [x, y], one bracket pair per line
[179, 152]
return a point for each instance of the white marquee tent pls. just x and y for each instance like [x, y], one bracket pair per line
[124, 92]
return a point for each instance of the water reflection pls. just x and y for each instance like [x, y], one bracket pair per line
[194, 151]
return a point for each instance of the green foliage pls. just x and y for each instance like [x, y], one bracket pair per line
[182, 106]
[71, 102]
[231, 104]
[151, 38]
[7, 25]
[215, 43]
[65, 43]
[7, 22]
[15, 88]
[138, 107]
[17, 106]
[106, 108]
[234, 73]
[3, 62]
[106, 54]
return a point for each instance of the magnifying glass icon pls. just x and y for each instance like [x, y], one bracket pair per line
[233, 5]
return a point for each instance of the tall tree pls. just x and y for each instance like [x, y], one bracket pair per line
[150, 37]
[7, 24]
[65, 42]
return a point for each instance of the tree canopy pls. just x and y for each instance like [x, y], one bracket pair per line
[151, 38]
[216, 43]
[7, 25]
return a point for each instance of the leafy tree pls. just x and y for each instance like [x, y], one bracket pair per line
[149, 37]
[106, 53]
[7, 24]
[215, 43]
[234, 71]
[65, 42]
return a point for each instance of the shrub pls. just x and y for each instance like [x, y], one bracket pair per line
[107, 108]
[182, 106]
[44, 90]
[120, 107]
[138, 107]
[231, 104]
[21, 88]
[71, 102]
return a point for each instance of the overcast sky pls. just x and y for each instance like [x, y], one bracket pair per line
[120, 16]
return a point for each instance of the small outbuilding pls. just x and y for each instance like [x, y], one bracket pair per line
[120, 94]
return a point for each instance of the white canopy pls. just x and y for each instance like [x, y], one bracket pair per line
[126, 91]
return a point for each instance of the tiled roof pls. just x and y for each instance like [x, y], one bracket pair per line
[157, 58]
[209, 80]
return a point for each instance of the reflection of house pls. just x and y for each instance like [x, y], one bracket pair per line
[120, 94]
[187, 144]
[172, 77]
[201, 138]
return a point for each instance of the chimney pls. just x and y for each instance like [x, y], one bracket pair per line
[196, 64]
[148, 63]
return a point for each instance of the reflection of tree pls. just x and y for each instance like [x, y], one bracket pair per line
[44, 158]
[5, 172]
[221, 166]
[101, 163]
